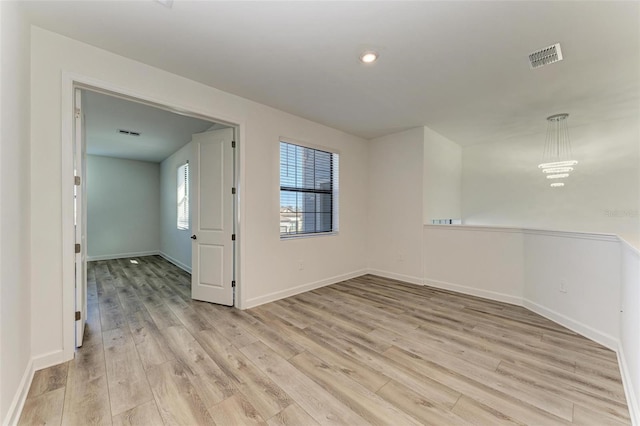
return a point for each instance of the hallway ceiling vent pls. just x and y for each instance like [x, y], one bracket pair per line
[545, 56]
[128, 132]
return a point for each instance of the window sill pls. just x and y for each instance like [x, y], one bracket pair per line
[302, 236]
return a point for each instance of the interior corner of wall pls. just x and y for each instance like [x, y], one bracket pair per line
[14, 410]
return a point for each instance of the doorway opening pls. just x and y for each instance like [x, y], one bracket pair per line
[153, 180]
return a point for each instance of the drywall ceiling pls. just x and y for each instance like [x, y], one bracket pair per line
[161, 132]
[460, 68]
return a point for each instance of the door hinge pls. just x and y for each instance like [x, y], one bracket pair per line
[233, 237]
[76, 180]
[233, 283]
[77, 112]
[233, 191]
[233, 144]
[78, 316]
[78, 247]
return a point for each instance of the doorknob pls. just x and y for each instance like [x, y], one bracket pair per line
[193, 237]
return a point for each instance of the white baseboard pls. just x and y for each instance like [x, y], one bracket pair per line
[580, 328]
[35, 364]
[395, 276]
[485, 294]
[176, 262]
[281, 294]
[629, 391]
[122, 255]
[49, 359]
[15, 409]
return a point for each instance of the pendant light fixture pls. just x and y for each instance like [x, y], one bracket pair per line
[557, 160]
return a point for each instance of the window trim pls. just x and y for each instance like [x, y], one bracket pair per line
[335, 208]
[187, 196]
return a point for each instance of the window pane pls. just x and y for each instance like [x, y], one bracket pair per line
[324, 203]
[308, 182]
[183, 197]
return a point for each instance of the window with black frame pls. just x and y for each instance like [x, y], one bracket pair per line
[308, 190]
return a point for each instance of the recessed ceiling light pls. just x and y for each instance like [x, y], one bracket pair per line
[368, 57]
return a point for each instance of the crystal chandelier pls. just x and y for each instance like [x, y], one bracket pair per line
[557, 161]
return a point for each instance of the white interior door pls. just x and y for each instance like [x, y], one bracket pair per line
[212, 203]
[80, 219]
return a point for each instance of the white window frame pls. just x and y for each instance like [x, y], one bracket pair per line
[182, 197]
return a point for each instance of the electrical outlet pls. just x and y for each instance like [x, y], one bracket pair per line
[563, 286]
[400, 256]
[300, 265]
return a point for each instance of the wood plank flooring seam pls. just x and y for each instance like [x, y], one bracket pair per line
[368, 350]
[155, 402]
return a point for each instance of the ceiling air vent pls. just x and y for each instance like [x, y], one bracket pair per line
[128, 132]
[545, 56]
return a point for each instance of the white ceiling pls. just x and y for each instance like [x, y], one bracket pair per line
[161, 132]
[460, 68]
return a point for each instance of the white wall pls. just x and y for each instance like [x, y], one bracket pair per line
[482, 261]
[501, 184]
[526, 267]
[589, 266]
[629, 354]
[395, 205]
[414, 177]
[175, 244]
[599, 297]
[123, 207]
[442, 177]
[267, 271]
[15, 235]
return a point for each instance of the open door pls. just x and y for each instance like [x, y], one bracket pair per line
[212, 205]
[80, 219]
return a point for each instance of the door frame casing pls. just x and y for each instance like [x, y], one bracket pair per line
[80, 200]
[71, 81]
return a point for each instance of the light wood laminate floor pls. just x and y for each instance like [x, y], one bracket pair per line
[364, 351]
